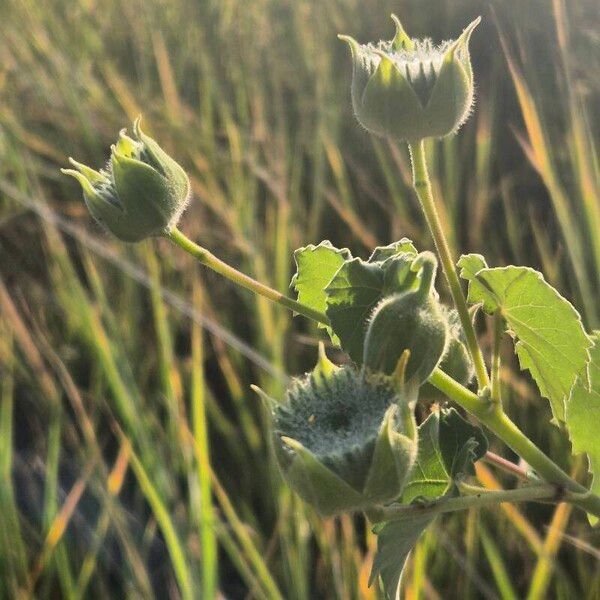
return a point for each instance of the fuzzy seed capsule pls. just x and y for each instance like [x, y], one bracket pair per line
[344, 441]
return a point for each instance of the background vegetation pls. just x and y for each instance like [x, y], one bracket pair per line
[133, 460]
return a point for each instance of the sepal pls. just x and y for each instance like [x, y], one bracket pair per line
[393, 459]
[317, 484]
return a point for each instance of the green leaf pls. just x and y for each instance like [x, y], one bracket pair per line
[347, 289]
[448, 447]
[470, 265]
[583, 415]
[315, 267]
[551, 341]
[352, 295]
[382, 253]
[461, 444]
[396, 261]
[358, 287]
[429, 478]
[395, 540]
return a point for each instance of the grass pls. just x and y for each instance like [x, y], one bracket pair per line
[133, 456]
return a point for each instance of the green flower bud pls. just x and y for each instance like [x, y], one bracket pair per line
[344, 441]
[141, 192]
[412, 320]
[409, 89]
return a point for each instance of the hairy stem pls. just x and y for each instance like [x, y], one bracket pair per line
[216, 264]
[498, 332]
[424, 192]
[473, 500]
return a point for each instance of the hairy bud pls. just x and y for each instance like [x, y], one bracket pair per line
[413, 321]
[141, 192]
[409, 89]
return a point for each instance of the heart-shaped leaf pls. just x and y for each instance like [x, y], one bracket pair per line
[551, 341]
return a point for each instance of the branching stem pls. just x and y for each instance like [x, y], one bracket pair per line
[475, 499]
[495, 419]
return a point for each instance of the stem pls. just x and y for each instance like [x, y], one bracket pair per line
[498, 331]
[494, 418]
[212, 262]
[507, 466]
[423, 189]
[475, 500]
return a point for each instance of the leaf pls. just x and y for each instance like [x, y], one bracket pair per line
[315, 267]
[551, 341]
[382, 253]
[395, 540]
[461, 444]
[347, 289]
[358, 287]
[470, 265]
[396, 261]
[429, 478]
[351, 297]
[398, 275]
[448, 446]
[583, 415]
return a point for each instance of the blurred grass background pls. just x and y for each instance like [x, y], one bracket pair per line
[133, 456]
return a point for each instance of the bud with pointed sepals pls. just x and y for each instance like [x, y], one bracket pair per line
[411, 320]
[409, 89]
[141, 192]
[345, 441]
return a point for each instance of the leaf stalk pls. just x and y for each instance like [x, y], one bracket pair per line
[479, 499]
[208, 259]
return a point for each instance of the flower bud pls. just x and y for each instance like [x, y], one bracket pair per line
[413, 321]
[344, 441]
[409, 89]
[141, 192]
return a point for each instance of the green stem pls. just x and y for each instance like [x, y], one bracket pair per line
[474, 500]
[212, 262]
[498, 331]
[493, 417]
[424, 192]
